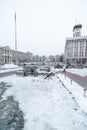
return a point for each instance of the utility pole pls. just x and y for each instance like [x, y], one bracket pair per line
[15, 40]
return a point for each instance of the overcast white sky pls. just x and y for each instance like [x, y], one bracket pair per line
[42, 25]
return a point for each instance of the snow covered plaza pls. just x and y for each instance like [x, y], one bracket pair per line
[51, 104]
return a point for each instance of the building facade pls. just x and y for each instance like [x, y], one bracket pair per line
[8, 55]
[5, 55]
[76, 47]
[21, 56]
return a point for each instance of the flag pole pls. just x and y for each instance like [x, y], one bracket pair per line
[15, 40]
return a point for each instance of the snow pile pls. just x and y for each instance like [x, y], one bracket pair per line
[9, 66]
[46, 104]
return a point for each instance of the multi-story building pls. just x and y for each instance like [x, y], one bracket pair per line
[21, 56]
[8, 55]
[5, 55]
[76, 47]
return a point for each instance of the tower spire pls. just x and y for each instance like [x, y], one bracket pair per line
[75, 21]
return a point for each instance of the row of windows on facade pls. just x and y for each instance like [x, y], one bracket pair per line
[76, 54]
[77, 40]
[77, 44]
[77, 49]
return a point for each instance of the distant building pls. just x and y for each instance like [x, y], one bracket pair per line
[8, 55]
[57, 58]
[21, 56]
[76, 47]
[5, 55]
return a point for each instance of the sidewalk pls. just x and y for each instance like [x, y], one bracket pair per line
[82, 81]
[74, 89]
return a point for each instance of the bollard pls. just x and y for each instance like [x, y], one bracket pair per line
[84, 91]
[65, 76]
[71, 81]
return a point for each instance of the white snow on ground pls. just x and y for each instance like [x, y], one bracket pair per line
[9, 67]
[82, 72]
[46, 104]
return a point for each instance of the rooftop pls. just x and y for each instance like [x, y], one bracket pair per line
[77, 26]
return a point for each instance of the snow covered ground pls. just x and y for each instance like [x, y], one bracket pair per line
[47, 104]
[9, 67]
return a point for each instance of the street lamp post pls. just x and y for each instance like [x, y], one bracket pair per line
[15, 40]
